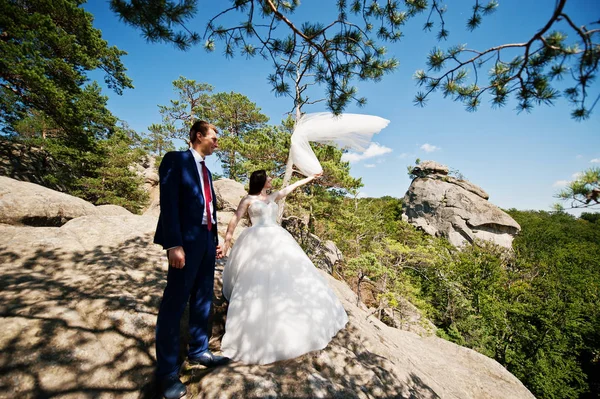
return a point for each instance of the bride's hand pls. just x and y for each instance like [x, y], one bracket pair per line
[317, 175]
[224, 248]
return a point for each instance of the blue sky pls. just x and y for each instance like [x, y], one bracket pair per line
[521, 160]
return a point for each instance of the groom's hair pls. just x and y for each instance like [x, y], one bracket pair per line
[202, 128]
[258, 178]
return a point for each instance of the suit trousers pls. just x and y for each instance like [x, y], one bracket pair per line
[193, 283]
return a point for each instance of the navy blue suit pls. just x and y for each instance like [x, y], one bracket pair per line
[180, 224]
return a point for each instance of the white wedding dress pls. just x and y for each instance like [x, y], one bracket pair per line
[280, 307]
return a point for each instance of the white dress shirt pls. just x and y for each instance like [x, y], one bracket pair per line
[198, 158]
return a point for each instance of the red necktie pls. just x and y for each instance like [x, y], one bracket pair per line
[207, 195]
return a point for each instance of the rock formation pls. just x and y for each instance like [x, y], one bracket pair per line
[146, 170]
[33, 164]
[78, 307]
[229, 194]
[31, 204]
[442, 205]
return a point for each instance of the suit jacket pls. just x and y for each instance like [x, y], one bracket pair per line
[181, 201]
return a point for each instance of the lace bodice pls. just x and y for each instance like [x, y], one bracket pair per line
[263, 213]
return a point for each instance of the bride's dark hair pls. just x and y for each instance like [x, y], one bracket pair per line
[258, 178]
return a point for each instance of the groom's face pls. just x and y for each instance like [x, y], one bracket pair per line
[208, 143]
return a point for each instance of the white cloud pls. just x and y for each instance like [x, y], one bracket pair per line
[362, 194]
[560, 183]
[429, 148]
[374, 150]
[577, 175]
[370, 165]
[595, 160]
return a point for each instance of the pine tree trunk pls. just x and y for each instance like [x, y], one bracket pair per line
[286, 182]
[288, 170]
[358, 298]
[232, 165]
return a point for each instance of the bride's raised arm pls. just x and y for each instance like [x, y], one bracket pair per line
[285, 191]
[235, 219]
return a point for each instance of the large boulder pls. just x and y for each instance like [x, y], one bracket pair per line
[111, 210]
[442, 205]
[229, 194]
[27, 203]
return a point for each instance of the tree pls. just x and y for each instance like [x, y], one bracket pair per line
[266, 148]
[583, 192]
[366, 265]
[36, 124]
[114, 181]
[556, 316]
[193, 104]
[238, 118]
[46, 49]
[590, 217]
[158, 140]
[544, 58]
[350, 47]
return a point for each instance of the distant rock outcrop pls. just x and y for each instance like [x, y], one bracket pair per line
[442, 205]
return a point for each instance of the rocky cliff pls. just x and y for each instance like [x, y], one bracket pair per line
[78, 304]
[442, 205]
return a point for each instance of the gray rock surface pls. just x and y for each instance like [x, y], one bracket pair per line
[229, 194]
[147, 170]
[431, 167]
[27, 203]
[331, 254]
[78, 307]
[458, 210]
[111, 210]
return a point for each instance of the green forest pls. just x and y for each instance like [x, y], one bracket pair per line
[535, 309]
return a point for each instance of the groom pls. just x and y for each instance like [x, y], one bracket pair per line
[187, 229]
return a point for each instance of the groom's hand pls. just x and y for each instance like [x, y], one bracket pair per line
[176, 257]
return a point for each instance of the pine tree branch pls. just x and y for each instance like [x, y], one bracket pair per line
[580, 32]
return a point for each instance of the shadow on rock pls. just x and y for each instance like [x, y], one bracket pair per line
[79, 323]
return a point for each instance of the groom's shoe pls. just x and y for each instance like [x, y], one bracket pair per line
[209, 359]
[172, 388]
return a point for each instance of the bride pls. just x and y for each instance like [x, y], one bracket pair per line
[280, 307]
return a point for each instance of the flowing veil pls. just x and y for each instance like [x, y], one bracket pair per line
[350, 131]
